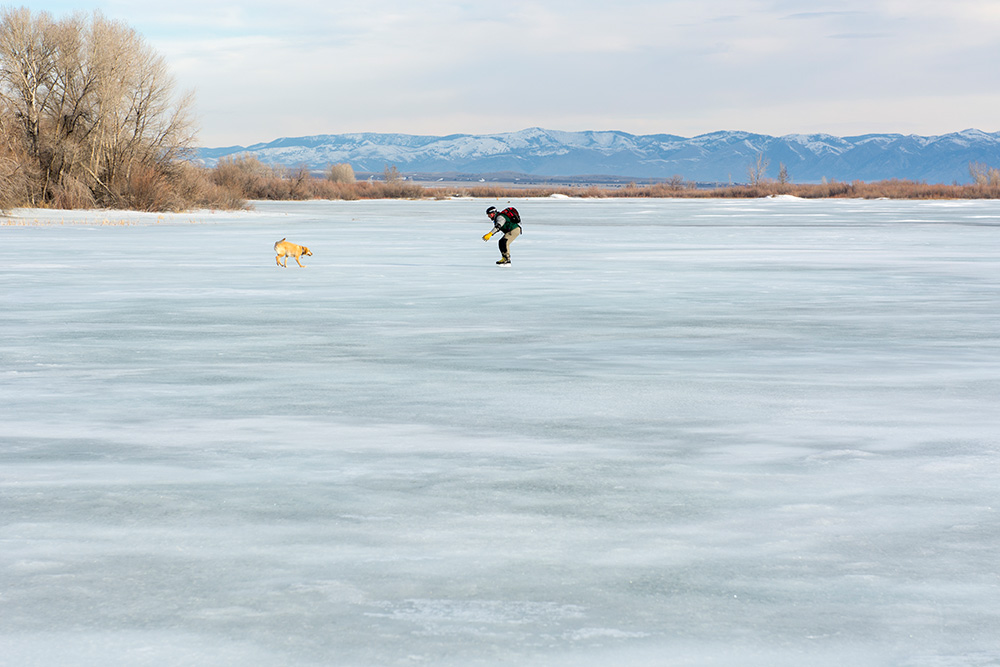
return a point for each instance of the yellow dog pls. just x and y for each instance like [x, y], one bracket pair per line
[284, 249]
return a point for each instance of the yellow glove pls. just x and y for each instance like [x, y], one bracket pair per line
[487, 236]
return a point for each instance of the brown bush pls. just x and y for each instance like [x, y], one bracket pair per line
[148, 190]
[242, 175]
[15, 184]
[195, 188]
[69, 193]
[341, 173]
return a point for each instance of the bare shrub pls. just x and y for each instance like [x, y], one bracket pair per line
[243, 175]
[195, 186]
[149, 190]
[14, 185]
[398, 189]
[341, 173]
[15, 179]
[69, 193]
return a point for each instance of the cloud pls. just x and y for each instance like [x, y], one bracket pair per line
[262, 70]
[825, 15]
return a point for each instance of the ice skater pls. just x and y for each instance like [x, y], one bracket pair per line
[507, 221]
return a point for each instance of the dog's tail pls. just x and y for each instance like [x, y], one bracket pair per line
[277, 242]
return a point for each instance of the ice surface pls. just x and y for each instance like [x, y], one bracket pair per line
[672, 433]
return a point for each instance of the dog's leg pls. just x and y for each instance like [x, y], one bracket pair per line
[299, 263]
[277, 260]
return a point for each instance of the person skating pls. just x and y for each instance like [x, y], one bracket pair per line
[507, 221]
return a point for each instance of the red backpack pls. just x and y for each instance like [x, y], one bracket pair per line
[511, 214]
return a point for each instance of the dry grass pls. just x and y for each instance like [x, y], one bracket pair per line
[184, 186]
[248, 179]
[891, 189]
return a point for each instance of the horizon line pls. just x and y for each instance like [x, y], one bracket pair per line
[622, 132]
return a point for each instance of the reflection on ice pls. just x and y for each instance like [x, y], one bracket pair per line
[673, 433]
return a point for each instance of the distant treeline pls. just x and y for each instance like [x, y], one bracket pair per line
[245, 177]
[237, 180]
[89, 119]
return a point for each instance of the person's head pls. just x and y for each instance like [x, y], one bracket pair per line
[491, 212]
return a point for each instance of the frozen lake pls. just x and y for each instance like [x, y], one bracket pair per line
[674, 432]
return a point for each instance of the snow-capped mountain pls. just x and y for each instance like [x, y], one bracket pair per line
[716, 157]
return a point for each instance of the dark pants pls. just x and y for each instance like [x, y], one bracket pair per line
[507, 239]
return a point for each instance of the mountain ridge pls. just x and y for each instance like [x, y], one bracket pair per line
[718, 157]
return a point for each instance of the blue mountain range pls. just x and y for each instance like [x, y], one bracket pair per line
[718, 157]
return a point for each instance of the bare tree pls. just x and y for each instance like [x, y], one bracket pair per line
[136, 120]
[983, 174]
[675, 182]
[783, 177]
[757, 169]
[392, 174]
[94, 103]
[26, 63]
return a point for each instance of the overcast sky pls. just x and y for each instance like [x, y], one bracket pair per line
[265, 70]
